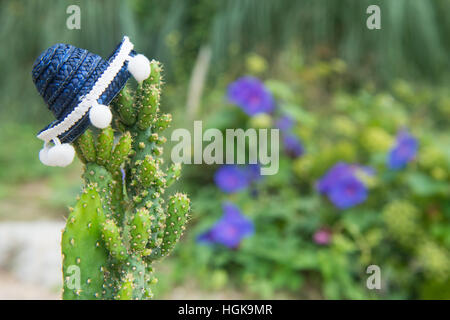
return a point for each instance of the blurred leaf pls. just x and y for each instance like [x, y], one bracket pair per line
[344, 244]
[280, 90]
[423, 185]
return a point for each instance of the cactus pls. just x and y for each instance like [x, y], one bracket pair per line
[122, 223]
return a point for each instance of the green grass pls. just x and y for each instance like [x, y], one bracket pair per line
[19, 154]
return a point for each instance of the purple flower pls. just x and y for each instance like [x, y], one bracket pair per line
[230, 229]
[285, 123]
[403, 152]
[342, 185]
[338, 171]
[348, 192]
[233, 178]
[322, 236]
[292, 145]
[251, 95]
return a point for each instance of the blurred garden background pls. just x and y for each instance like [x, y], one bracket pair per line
[364, 160]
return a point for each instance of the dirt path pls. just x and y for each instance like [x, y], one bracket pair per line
[12, 289]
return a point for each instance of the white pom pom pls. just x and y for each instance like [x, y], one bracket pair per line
[43, 156]
[139, 67]
[100, 116]
[60, 155]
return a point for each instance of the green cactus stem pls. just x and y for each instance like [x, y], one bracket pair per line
[123, 220]
[84, 255]
[124, 107]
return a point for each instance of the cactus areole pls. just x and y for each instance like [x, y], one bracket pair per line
[123, 220]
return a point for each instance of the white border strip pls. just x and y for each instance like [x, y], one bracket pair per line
[91, 98]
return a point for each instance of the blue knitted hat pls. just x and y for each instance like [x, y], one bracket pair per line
[77, 87]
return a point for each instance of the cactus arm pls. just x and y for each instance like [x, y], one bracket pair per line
[140, 230]
[87, 146]
[112, 237]
[123, 104]
[79, 153]
[104, 146]
[177, 215]
[173, 174]
[82, 248]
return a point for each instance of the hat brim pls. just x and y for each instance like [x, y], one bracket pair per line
[106, 97]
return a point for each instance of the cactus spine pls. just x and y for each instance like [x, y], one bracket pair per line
[122, 222]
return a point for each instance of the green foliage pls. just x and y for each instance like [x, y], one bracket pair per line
[413, 40]
[402, 227]
[402, 220]
[121, 223]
